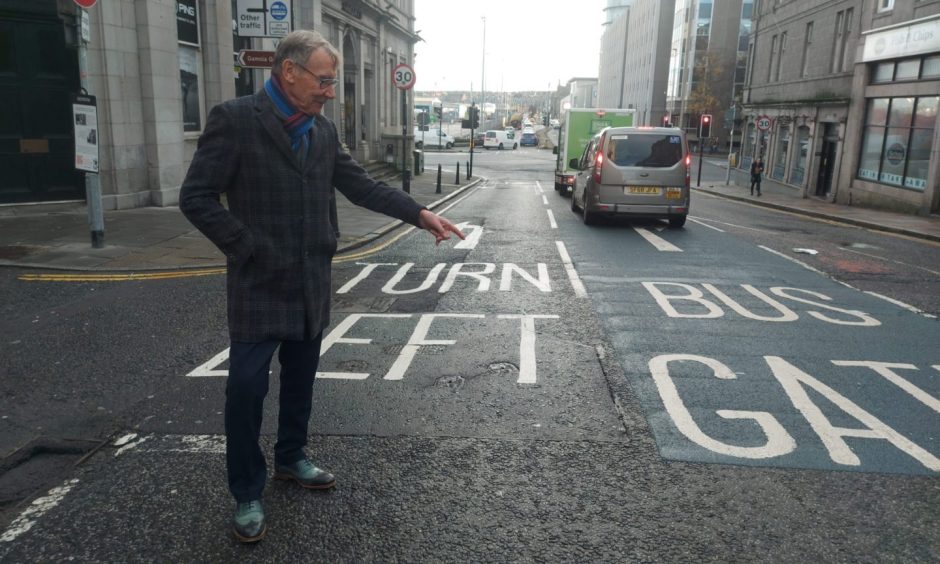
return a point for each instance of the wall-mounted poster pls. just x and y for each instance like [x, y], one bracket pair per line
[85, 121]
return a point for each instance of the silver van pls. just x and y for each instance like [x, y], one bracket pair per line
[634, 172]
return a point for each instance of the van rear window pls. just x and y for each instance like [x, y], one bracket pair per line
[645, 149]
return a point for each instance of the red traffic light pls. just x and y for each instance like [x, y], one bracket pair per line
[706, 118]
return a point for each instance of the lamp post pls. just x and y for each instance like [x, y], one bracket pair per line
[483, 77]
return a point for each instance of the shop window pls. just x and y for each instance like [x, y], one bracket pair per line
[884, 72]
[750, 136]
[802, 156]
[907, 70]
[931, 67]
[896, 143]
[190, 64]
[780, 156]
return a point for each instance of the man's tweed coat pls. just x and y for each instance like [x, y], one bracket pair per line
[276, 233]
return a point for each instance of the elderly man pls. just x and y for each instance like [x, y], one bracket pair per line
[278, 159]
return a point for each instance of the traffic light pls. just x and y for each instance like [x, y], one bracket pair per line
[666, 122]
[705, 127]
[474, 117]
[545, 121]
[439, 111]
[423, 118]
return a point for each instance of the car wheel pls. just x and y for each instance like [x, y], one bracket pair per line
[500, 146]
[515, 146]
[677, 221]
[449, 146]
[589, 218]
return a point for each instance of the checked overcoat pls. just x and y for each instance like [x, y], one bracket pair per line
[276, 233]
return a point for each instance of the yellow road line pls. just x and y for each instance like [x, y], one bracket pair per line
[119, 277]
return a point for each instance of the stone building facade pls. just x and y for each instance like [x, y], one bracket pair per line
[156, 68]
[841, 100]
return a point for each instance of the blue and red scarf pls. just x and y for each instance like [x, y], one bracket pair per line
[296, 123]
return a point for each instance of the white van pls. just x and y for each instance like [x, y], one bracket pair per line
[496, 139]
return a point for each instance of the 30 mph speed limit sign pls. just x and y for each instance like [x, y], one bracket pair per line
[403, 76]
[763, 123]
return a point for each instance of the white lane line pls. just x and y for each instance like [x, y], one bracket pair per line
[806, 266]
[551, 219]
[579, 290]
[658, 242]
[705, 224]
[901, 304]
[544, 200]
[539, 186]
[39, 507]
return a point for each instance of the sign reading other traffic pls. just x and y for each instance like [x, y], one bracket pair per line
[263, 18]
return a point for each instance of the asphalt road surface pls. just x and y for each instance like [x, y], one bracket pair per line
[543, 391]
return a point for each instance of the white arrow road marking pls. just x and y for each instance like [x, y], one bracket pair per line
[473, 237]
[657, 241]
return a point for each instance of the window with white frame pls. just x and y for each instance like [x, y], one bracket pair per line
[807, 44]
[885, 5]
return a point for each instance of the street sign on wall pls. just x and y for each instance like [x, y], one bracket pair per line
[263, 18]
[763, 123]
[249, 59]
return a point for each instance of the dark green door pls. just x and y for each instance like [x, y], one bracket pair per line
[37, 75]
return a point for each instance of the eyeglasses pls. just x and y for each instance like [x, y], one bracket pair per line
[324, 82]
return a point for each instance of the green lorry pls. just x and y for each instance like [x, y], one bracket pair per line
[577, 127]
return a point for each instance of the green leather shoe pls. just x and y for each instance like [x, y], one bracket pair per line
[248, 522]
[306, 474]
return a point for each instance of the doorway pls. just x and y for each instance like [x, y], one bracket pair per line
[38, 73]
[827, 159]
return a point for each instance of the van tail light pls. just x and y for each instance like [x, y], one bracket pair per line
[598, 163]
[688, 170]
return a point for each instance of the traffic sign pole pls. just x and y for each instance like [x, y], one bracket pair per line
[92, 180]
[403, 77]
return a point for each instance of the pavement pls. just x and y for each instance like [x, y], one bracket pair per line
[57, 236]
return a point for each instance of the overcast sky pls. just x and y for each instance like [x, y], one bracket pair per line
[530, 44]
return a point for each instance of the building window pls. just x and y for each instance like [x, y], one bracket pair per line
[885, 5]
[780, 55]
[807, 43]
[190, 64]
[843, 30]
[897, 141]
[907, 70]
[780, 158]
[931, 67]
[773, 58]
[884, 72]
[799, 163]
[921, 68]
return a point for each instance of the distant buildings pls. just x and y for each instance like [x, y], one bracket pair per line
[838, 96]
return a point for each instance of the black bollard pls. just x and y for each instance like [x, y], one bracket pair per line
[438, 190]
[457, 176]
[468, 170]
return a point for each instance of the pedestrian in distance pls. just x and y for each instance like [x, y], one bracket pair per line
[277, 158]
[757, 170]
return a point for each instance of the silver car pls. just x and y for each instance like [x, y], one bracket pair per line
[638, 172]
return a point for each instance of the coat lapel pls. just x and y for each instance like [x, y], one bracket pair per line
[318, 143]
[265, 114]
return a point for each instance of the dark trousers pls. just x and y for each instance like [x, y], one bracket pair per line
[755, 181]
[247, 386]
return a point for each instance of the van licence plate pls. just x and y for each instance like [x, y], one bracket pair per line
[641, 190]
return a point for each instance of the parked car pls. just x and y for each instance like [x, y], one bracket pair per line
[634, 172]
[498, 139]
[554, 123]
[478, 138]
[528, 139]
[433, 138]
